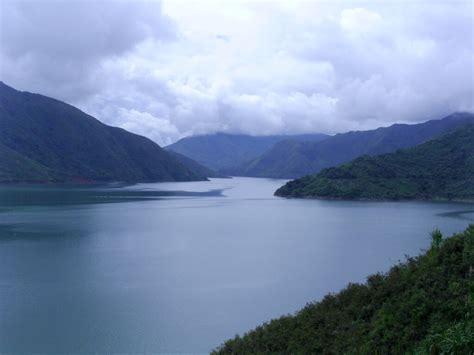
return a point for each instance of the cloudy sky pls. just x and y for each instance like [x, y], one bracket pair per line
[174, 68]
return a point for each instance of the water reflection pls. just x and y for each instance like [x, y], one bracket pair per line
[44, 195]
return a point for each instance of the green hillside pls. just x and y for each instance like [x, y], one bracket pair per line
[15, 167]
[43, 139]
[422, 306]
[293, 159]
[439, 169]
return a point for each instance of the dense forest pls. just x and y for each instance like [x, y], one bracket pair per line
[46, 140]
[442, 168]
[422, 306]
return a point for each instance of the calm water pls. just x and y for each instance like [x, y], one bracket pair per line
[180, 267]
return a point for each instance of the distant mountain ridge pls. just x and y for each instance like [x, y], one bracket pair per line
[46, 140]
[222, 151]
[195, 166]
[442, 168]
[293, 159]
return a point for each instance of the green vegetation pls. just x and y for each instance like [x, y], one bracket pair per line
[14, 167]
[439, 169]
[46, 140]
[422, 306]
[293, 159]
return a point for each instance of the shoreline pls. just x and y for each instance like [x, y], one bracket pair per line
[325, 198]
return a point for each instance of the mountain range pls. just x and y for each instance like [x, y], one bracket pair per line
[223, 151]
[43, 139]
[46, 140]
[293, 159]
[442, 168]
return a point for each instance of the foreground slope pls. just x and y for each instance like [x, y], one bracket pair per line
[42, 139]
[439, 169]
[294, 159]
[424, 306]
[222, 151]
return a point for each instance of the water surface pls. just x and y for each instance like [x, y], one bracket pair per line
[180, 267]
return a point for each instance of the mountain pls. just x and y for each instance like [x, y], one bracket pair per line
[439, 169]
[15, 167]
[293, 159]
[221, 150]
[421, 306]
[195, 166]
[46, 140]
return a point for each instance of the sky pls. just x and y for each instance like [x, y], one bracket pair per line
[174, 68]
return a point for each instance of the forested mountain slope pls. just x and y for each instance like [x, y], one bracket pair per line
[442, 168]
[43, 139]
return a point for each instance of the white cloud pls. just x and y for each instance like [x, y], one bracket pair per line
[180, 67]
[358, 20]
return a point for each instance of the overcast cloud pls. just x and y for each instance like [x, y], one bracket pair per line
[174, 68]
